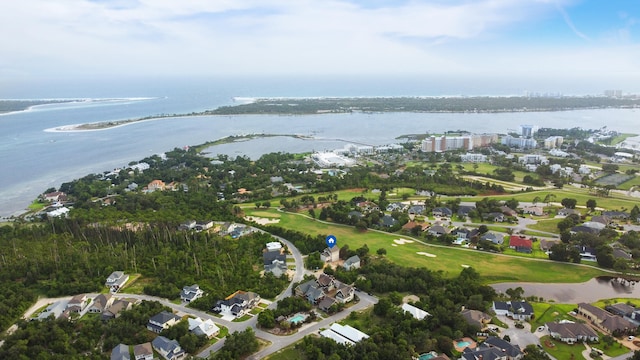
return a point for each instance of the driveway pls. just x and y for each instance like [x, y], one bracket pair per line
[521, 337]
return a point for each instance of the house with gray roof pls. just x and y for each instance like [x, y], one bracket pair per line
[101, 303]
[275, 263]
[168, 349]
[442, 211]
[352, 263]
[121, 352]
[493, 348]
[605, 320]
[497, 239]
[476, 318]
[116, 280]
[571, 333]
[190, 293]
[162, 321]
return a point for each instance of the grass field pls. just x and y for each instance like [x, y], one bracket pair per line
[604, 302]
[561, 350]
[629, 184]
[548, 225]
[286, 354]
[494, 268]
[545, 313]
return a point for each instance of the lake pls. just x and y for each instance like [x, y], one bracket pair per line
[591, 291]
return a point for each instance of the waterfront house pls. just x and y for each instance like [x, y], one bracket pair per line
[571, 333]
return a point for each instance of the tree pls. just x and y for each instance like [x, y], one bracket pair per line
[549, 198]
[266, 204]
[532, 352]
[536, 200]
[482, 229]
[569, 203]
[512, 203]
[266, 319]
[381, 251]
[591, 204]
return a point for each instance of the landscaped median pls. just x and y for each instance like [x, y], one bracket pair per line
[450, 260]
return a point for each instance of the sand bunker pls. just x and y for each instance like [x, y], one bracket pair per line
[402, 241]
[464, 265]
[425, 254]
[394, 244]
[262, 221]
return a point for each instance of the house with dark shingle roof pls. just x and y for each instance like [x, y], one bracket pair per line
[442, 211]
[121, 352]
[605, 320]
[497, 239]
[168, 349]
[190, 293]
[476, 318]
[493, 348]
[571, 333]
[464, 210]
[388, 221]
[162, 321]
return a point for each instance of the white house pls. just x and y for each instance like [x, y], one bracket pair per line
[190, 293]
[203, 328]
[417, 313]
[116, 280]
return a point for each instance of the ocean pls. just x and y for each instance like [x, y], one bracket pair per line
[34, 159]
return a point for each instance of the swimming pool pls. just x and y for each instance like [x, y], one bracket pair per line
[297, 318]
[426, 356]
[463, 344]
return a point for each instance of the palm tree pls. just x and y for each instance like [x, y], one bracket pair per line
[549, 198]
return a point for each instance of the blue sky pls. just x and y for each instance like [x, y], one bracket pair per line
[548, 38]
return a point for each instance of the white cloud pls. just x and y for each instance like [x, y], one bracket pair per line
[273, 36]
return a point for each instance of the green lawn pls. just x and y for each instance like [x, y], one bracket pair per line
[36, 205]
[136, 284]
[494, 268]
[562, 351]
[243, 318]
[285, 354]
[256, 310]
[545, 313]
[616, 349]
[629, 184]
[604, 302]
[548, 225]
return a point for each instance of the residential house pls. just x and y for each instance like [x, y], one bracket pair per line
[476, 318]
[55, 196]
[355, 214]
[533, 210]
[143, 351]
[276, 179]
[326, 303]
[187, 225]
[368, 206]
[344, 294]
[493, 348]
[396, 206]
[56, 310]
[190, 293]
[311, 291]
[571, 333]
[605, 220]
[464, 233]
[411, 224]
[494, 216]
[518, 310]
[520, 244]
[101, 303]
[508, 211]
[438, 230]
[616, 214]
[521, 310]
[546, 244]
[203, 327]
[162, 321]
[275, 262]
[442, 212]
[497, 239]
[587, 253]
[604, 320]
[567, 212]
[621, 254]
[621, 309]
[274, 246]
[168, 349]
[416, 210]
[204, 225]
[584, 229]
[417, 313]
[237, 304]
[156, 185]
[121, 352]
[58, 213]
[116, 280]
[388, 221]
[330, 254]
[327, 282]
[464, 210]
[501, 308]
[352, 263]
[77, 303]
[115, 310]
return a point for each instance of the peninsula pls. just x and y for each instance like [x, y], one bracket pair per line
[314, 106]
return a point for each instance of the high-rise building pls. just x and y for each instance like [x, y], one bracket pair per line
[528, 130]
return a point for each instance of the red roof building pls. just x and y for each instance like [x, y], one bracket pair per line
[520, 244]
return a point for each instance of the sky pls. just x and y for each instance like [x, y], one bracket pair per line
[546, 38]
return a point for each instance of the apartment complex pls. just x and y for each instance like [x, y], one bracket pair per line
[466, 142]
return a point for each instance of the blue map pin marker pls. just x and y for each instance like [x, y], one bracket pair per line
[331, 241]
